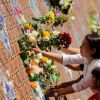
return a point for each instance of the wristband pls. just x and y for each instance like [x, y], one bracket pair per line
[55, 92]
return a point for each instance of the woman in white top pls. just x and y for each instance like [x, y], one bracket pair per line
[89, 56]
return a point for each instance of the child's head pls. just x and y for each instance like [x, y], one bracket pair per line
[91, 46]
[96, 78]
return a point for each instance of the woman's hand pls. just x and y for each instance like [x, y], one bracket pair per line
[36, 50]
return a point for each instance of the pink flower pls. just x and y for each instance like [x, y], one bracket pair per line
[58, 13]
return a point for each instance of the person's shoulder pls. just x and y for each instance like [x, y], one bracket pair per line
[97, 61]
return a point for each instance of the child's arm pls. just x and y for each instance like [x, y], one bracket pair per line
[65, 84]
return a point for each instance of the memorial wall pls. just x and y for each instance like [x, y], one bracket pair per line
[14, 81]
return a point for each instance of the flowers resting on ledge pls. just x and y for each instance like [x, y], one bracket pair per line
[45, 40]
[57, 39]
[55, 17]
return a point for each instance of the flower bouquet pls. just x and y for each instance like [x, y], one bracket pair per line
[38, 68]
[54, 17]
[50, 74]
[62, 39]
[28, 26]
[26, 43]
[65, 6]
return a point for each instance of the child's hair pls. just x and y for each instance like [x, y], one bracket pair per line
[94, 42]
[96, 73]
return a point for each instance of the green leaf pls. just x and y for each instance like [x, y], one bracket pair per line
[56, 77]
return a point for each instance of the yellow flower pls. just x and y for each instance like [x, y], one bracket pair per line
[28, 25]
[46, 34]
[65, 5]
[51, 16]
[49, 21]
[28, 53]
[44, 59]
[49, 62]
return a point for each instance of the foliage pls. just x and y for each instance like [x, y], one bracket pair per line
[61, 40]
[63, 5]
[37, 69]
[93, 22]
[25, 44]
[42, 69]
[54, 17]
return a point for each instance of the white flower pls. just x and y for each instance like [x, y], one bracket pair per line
[31, 38]
[49, 62]
[54, 33]
[54, 66]
[37, 70]
[47, 38]
[39, 56]
[36, 60]
[27, 33]
[73, 17]
[35, 34]
[61, 2]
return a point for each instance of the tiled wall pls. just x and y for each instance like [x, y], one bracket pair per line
[14, 65]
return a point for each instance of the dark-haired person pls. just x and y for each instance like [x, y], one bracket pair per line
[95, 84]
[89, 56]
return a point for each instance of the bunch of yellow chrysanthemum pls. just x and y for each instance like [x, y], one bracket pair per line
[46, 34]
[44, 60]
[27, 25]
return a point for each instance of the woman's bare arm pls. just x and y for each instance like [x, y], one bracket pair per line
[54, 56]
[75, 67]
[64, 88]
[66, 84]
[71, 50]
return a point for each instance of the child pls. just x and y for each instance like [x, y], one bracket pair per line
[95, 84]
[89, 56]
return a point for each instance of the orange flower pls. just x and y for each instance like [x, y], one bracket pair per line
[28, 26]
[46, 34]
[33, 63]
[44, 59]
[33, 85]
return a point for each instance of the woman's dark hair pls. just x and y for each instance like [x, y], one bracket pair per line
[81, 67]
[96, 72]
[94, 42]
